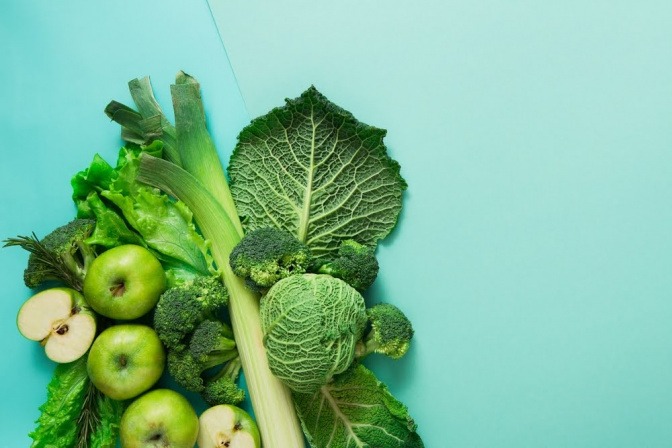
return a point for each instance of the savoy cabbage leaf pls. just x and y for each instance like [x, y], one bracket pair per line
[311, 168]
[356, 411]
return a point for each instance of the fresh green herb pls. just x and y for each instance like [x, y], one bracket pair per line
[63, 255]
[109, 415]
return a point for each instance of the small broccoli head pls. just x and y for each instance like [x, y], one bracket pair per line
[390, 334]
[265, 256]
[222, 389]
[182, 308]
[210, 346]
[185, 370]
[212, 343]
[356, 264]
[63, 255]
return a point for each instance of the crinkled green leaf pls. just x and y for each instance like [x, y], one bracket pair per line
[311, 168]
[56, 426]
[356, 411]
[97, 176]
[111, 228]
[128, 212]
[165, 226]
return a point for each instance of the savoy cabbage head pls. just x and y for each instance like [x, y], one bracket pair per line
[311, 325]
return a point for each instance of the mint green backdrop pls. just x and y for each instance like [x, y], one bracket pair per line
[534, 250]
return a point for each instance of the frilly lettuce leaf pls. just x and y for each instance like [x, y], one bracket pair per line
[356, 410]
[311, 168]
[128, 212]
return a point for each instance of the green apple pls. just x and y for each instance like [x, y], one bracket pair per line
[124, 282]
[126, 360]
[227, 425]
[160, 418]
[61, 321]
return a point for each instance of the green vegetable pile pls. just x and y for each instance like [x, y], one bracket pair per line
[265, 269]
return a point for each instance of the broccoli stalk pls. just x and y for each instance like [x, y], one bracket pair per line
[356, 264]
[200, 184]
[222, 388]
[212, 344]
[265, 256]
[390, 332]
[63, 255]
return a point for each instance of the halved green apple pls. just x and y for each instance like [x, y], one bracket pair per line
[61, 321]
[229, 426]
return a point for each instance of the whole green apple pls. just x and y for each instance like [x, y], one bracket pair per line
[124, 282]
[160, 418]
[126, 360]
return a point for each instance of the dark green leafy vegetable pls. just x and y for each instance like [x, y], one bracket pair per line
[356, 410]
[312, 169]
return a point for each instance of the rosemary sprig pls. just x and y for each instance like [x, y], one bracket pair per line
[51, 265]
[89, 417]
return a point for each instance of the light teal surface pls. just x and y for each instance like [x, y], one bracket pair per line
[534, 251]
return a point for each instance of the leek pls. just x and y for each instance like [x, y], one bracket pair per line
[202, 186]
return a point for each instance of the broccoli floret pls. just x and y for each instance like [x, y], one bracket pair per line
[63, 255]
[222, 389]
[182, 308]
[211, 345]
[185, 370]
[390, 332]
[267, 255]
[356, 264]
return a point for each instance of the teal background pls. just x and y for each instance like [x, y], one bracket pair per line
[534, 250]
